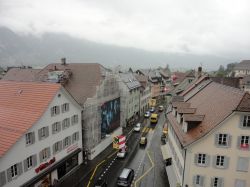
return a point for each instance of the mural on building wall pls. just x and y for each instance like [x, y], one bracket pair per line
[110, 116]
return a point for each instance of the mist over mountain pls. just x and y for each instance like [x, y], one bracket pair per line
[16, 49]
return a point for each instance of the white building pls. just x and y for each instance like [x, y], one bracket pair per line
[242, 69]
[40, 132]
[130, 98]
[208, 138]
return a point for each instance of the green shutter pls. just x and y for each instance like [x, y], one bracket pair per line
[19, 168]
[34, 160]
[25, 165]
[2, 178]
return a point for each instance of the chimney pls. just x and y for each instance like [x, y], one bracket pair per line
[63, 61]
[199, 73]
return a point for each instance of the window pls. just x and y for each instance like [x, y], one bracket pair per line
[30, 138]
[246, 121]
[75, 137]
[65, 107]
[55, 110]
[221, 162]
[244, 142]
[198, 180]
[56, 127]
[44, 154]
[223, 140]
[29, 162]
[202, 159]
[243, 164]
[66, 142]
[13, 170]
[74, 119]
[57, 147]
[217, 182]
[43, 133]
[240, 183]
[65, 123]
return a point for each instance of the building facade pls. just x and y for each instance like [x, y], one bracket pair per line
[40, 133]
[208, 137]
[130, 98]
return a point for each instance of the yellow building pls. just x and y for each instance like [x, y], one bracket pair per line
[208, 138]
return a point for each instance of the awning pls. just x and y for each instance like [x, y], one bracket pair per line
[164, 152]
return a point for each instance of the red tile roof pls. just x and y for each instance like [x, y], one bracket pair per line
[21, 106]
[18, 74]
[216, 102]
[244, 105]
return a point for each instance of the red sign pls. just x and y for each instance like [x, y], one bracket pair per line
[44, 165]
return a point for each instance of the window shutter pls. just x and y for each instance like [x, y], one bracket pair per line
[77, 136]
[226, 162]
[33, 137]
[59, 126]
[63, 143]
[53, 128]
[40, 134]
[69, 140]
[51, 111]
[217, 139]
[41, 156]
[19, 168]
[62, 106]
[73, 140]
[48, 151]
[229, 140]
[34, 160]
[212, 182]
[2, 178]
[63, 124]
[194, 180]
[243, 164]
[220, 182]
[214, 161]
[60, 146]
[25, 165]
[47, 131]
[72, 120]
[196, 159]
[58, 110]
[241, 121]
[238, 142]
[9, 177]
[54, 148]
[201, 180]
[207, 161]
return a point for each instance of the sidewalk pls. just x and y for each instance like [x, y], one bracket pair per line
[77, 175]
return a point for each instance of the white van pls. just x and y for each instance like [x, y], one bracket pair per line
[126, 177]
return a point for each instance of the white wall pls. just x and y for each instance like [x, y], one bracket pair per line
[207, 145]
[20, 151]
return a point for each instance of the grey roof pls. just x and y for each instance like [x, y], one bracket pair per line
[243, 65]
[130, 80]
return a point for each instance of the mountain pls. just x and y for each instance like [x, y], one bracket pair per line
[16, 50]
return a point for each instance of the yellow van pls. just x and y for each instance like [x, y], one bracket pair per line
[154, 118]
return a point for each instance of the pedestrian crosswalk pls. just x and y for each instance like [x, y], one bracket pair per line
[147, 129]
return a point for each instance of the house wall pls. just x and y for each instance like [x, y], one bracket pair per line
[240, 73]
[20, 151]
[207, 145]
[93, 142]
[144, 100]
[155, 90]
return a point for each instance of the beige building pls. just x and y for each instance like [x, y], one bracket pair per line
[208, 137]
[242, 69]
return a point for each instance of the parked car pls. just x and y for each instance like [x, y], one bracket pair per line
[160, 108]
[137, 127]
[126, 177]
[122, 152]
[147, 114]
[152, 109]
[143, 141]
[101, 183]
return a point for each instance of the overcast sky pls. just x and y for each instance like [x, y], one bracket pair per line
[210, 27]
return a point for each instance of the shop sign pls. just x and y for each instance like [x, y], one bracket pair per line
[44, 165]
[72, 148]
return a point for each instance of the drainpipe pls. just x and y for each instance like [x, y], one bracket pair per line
[184, 168]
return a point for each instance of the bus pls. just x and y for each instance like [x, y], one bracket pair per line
[154, 118]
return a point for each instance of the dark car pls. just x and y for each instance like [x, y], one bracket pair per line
[101, 183]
